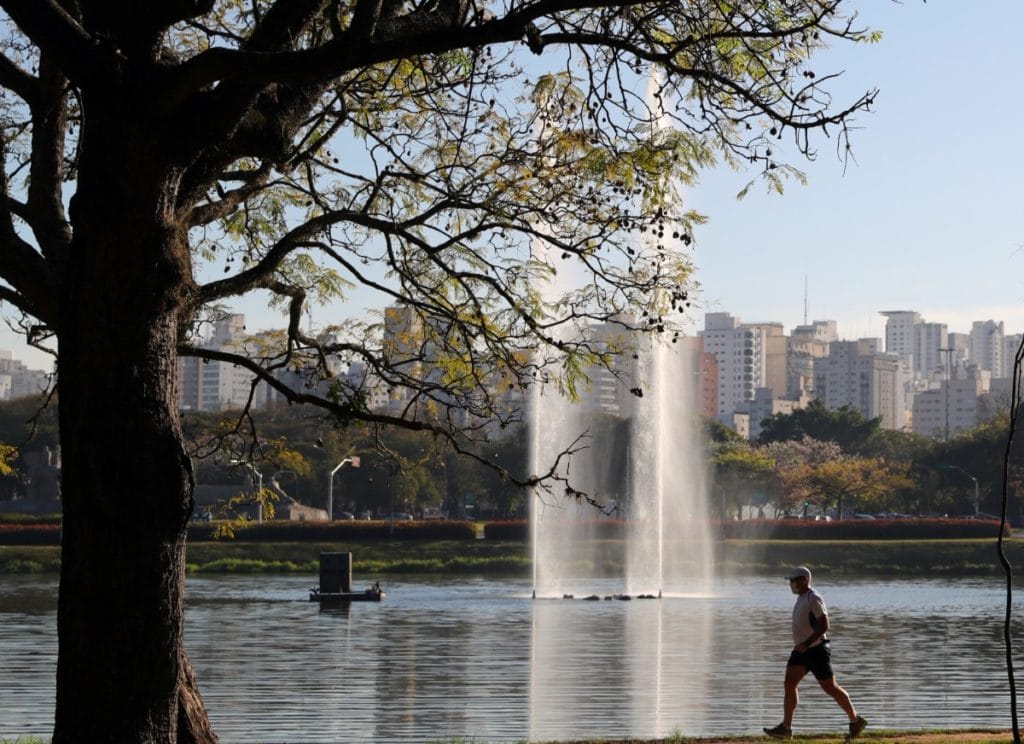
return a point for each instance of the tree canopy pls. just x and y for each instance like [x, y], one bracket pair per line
[505, 173]
[845, 426]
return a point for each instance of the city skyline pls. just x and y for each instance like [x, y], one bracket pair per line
[34, 359]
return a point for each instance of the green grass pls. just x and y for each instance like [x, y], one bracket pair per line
[935, 737]
[869, 557]
[973, 557]
[941, 736]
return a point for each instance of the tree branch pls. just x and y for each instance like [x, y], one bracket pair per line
[21, 265]
[45, 207]
[17, 80]
[57, 33]
[204, 214]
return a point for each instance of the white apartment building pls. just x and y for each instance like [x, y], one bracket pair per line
[17, 381]
[929, 341]
[1011, 345]
[211, 385]
[361, 378]
[871, 383]
[775, 358]
[806, 344]
[605, 393]
[739, 351]
[953, 406]
[824, 331]
[987, 346]
[960, 343]
[899, 334]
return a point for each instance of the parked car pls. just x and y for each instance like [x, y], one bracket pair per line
[345, 515]
[980, 515]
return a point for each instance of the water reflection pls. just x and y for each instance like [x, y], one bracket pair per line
[482, 660]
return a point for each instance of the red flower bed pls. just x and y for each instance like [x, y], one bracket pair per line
[29, 534]
[338, 530]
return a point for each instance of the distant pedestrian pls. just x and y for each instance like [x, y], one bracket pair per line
[811, 652]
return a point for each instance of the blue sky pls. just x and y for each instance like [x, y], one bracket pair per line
[930, 217]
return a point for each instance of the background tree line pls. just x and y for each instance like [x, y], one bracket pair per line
[400, 470]
[813, 461]
[817, 461]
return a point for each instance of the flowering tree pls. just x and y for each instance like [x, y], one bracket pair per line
[819, 474]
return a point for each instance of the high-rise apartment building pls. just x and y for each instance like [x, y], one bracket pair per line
[899, 334]
[804, 345]
[929, 340]
[739, 351]
[1011, 345]
[855, 376]
[953, 406]
[212, 385]
[987, 347]
[775, 358]
[824, 331]
[18, 381]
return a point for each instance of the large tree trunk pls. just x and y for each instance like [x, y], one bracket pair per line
[122, 673]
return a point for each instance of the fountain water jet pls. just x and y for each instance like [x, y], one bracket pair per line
[650, 476]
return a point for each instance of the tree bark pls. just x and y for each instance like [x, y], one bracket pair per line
[122, 672]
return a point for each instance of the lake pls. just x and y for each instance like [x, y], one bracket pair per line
[478, 658]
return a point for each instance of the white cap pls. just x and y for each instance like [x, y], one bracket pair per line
[795, 573]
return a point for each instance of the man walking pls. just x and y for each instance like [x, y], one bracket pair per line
[811, 652]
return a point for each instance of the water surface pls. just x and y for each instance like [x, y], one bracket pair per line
[479, 658]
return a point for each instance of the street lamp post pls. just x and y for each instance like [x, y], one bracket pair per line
[949, 374]
[354, 462]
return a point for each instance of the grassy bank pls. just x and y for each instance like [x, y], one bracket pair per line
[512, 558]
[870, 557]
[902, 737]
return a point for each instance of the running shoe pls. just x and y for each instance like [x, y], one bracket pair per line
[782, 731]
[857, 725]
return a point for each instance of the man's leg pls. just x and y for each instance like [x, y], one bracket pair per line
[794, 673]
[840, 696]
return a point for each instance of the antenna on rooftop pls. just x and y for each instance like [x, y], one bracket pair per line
[805, 299]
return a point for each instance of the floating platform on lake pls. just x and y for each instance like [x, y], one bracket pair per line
[336, 582]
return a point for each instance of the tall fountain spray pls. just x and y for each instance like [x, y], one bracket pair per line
[652, 536]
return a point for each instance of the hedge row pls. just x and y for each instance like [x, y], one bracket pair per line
[930, 528]
[29, 534]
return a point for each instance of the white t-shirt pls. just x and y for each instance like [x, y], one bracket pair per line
[808, 613]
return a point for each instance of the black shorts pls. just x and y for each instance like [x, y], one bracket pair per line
[817, 658]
